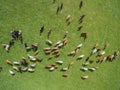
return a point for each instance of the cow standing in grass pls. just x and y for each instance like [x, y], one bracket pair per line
[84, 35]
[81, 4]
[41, 30]
[49, 33]
[61, 6]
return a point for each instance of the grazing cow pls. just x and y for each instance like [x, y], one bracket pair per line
[31, 70]
[33, 65]
[59, 62]
[79, 46]
[50, 57]
[81, 18]
[94, 51]
[34, 46]
[47, 49]
[24, 69]
[65, 41]
[64, 69]
[100, 53]
[110, 57]
[1, 68]
[47, 52]
[41, 30]
[80, 27]
[71, 63]
[61, 6]
[58, 54]
[68, 18]
[73, 53]
[85, 77]
[95, 46]
[55, 48]
[48, 66]
[16, 68]
[9, 62]
[84, 69]
[84, 35]
[49, 42]
[31, 58]
[51, 68]
[76, 51]
[11, 72]
[116, 53]
[25, 62]
[81, 4]
[80, 57]
[58, 9]
[57, 43]
[27, 48]
[6, 46]
[92, 69]
[86, 64]
[65, 75]
[65, 35]
[106, 46]
[37, 52]
[49, 33]
[39, 59]
[60, 45]
[16, 63]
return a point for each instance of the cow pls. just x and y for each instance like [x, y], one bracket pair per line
[101, 52]
[34, 46]
[80, 57]
[95, 46]
[68, 18]
[71, 63]
[84, 69]
[9, 62]
[49, 33]
[49, 42]
[81, 4]
[84, 35]
[61, 6]
[64, 69]
[65, 35]
[59, 62]
[79, 46]
[65, 41]
[84, 76]
[31, 58]
[80, 27]
[58, 9]
[31, 70]
[41, 30]
[6, 46]
[39, 59]
[65, 75]
[11, 72]
[33, 65]
[81, 17]
[106, 46]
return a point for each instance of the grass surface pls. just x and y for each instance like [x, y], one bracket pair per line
[101, 22]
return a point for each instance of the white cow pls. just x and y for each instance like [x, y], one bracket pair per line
[31, 58]
[59, 62]
[80, 57]
[11, 72]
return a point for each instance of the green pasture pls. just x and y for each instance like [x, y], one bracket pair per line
[102, 23]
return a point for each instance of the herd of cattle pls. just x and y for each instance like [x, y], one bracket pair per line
[28, 63]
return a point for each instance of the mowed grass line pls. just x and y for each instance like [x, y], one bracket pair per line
[101, 23]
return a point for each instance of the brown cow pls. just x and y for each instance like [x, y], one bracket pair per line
[9, 62]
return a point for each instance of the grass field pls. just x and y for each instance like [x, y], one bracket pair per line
[101, 22]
